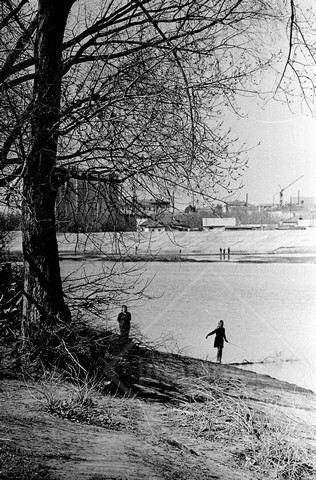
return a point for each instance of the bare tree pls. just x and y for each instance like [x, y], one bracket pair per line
[129, 94]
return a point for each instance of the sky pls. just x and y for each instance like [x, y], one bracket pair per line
[287, 151]
[287, 147]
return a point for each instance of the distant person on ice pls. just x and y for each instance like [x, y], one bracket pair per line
[124, 320]
[220, 336]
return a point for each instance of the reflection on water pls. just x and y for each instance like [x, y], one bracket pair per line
[268, 310]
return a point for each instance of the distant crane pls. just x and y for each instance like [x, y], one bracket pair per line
[282, 189]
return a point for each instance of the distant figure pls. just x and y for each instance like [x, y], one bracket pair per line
[124, 320]
[220, 253]
[228, 253]
[224, 252]
[220, 336]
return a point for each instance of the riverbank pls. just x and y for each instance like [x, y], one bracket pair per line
[190, 420]
[244, 246]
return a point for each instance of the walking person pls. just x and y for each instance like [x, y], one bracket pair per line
[220, 336]
[124, 320]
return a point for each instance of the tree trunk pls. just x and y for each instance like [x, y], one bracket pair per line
[44, 300]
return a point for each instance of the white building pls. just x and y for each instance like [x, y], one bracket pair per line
[306, 222]
[210, 223]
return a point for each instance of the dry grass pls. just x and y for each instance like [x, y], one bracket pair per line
[278, 451]
[271, 446]
[83, 400]
[16, 464]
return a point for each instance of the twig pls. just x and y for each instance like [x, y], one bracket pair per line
[73, 358]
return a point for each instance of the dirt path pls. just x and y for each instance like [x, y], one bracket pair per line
[140, 445]
[72, 450]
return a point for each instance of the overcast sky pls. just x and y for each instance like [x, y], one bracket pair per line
[287, 151]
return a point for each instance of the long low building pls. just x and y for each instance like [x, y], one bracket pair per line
[210, 223]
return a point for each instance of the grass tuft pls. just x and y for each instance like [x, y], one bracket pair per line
[82, 401]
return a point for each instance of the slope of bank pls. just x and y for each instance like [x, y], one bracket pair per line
[191, 420]
[185, 244]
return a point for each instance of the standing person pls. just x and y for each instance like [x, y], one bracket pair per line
[124, 320]
[220, 336]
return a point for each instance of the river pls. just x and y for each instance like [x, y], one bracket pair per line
[268, 310]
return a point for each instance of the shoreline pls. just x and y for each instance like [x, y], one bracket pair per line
[245, 247]
[259, 258]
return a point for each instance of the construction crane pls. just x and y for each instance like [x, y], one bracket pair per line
[282, 189]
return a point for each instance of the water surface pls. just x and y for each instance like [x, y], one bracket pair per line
[268, 309]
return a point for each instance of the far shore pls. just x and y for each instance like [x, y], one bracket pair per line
[266, 246]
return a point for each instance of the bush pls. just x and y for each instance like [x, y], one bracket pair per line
[81, 401]
[79, 350]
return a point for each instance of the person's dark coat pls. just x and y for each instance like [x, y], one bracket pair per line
[220, 336]
[124, 320]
